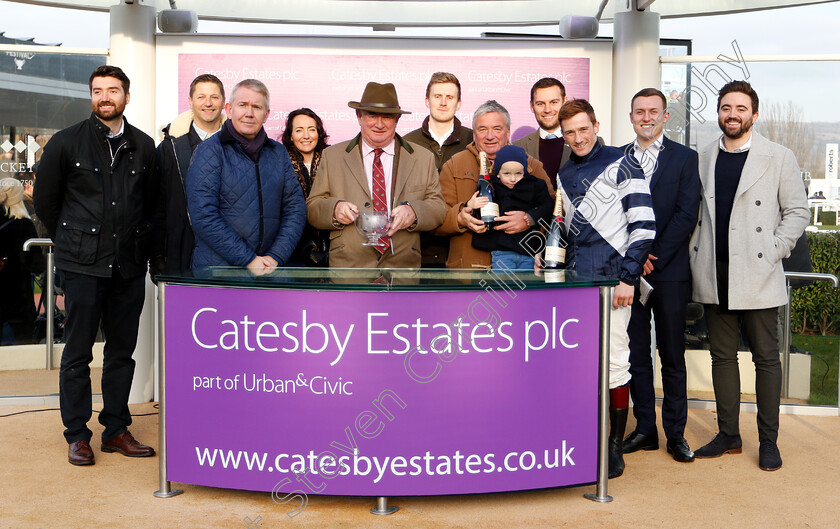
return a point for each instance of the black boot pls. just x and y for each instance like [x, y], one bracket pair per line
[618, 422]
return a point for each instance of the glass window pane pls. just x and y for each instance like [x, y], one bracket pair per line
[40, 94]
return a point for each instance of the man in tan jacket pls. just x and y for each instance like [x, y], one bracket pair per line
[459, 180]
[376, 170]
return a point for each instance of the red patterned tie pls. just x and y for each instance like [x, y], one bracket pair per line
[380, 200]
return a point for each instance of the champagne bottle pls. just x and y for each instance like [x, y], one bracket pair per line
[557, 239]
[490, 211]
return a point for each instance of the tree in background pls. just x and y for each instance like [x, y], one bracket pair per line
[783, 124]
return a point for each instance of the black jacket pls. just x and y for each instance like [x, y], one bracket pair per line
[16, 269]
[434, 249]
[530, 195]
[456, 142]
[174, 237]
[98, 205]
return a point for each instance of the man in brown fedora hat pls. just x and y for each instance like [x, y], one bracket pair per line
[376, 171]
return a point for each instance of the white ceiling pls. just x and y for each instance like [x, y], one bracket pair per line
[427, 13]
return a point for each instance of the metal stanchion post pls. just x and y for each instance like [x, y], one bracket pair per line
[164, 491]
[49, 305]
[382, 507]
[786, 344]
[603, 401]
[811, 276]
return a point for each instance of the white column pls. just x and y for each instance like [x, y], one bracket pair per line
[133, 50]
[635, 66]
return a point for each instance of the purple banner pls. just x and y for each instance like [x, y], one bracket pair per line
[381, 393]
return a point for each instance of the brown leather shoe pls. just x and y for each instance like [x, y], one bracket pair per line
[80, 454]
[127, 445]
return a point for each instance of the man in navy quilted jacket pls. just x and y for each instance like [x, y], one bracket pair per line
[243, 197]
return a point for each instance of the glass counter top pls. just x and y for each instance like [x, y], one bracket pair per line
[374, 279]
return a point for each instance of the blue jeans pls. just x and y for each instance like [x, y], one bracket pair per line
[511, 260]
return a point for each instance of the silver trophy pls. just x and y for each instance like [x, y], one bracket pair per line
[373, 225]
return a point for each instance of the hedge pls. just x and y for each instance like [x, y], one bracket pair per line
[816, 308]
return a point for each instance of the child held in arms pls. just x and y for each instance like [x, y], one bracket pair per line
[514, 189]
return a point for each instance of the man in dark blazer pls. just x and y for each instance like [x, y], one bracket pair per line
[674, 181]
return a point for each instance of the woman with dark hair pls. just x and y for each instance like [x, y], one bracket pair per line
[305, 139]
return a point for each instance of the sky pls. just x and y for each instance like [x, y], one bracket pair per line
[796, 30]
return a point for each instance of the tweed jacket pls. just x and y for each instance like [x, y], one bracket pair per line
[341, 176]
[769, 214]
[459, 180]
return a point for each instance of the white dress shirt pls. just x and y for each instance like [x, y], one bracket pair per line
[545, 133]
[442, 138]
[118, 134]
[204, 135]
[743, 148]
[647, 158]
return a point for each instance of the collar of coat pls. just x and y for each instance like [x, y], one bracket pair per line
[103, 129]
[759, 145]
[400, 141]
[454, 136]
[588, 156]
[473, 149]
[181, 124]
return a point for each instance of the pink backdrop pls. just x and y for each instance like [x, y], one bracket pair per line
[325, 83]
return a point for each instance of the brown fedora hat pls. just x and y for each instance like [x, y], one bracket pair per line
[379, 98]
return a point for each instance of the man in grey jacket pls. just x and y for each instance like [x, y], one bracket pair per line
[753, 210]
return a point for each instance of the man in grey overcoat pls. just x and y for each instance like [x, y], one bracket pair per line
[753, 209]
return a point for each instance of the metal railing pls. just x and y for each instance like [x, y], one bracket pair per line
[786, 321]
[49, 304]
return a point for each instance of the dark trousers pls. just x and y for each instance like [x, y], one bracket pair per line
[668, 303]
[761, 332]
[117, 303]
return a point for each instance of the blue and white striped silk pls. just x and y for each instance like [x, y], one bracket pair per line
[608, 210]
